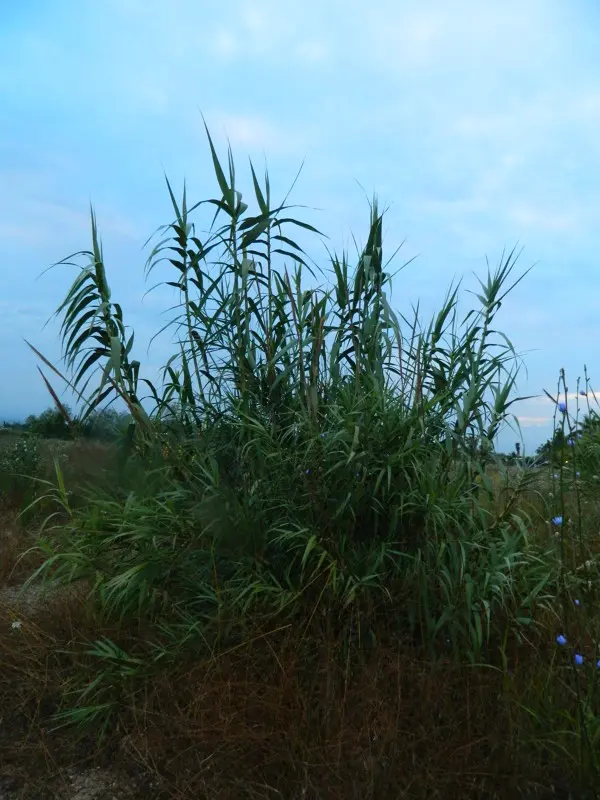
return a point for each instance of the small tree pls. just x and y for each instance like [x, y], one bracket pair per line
[50, 424]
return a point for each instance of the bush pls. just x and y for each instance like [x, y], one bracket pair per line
[50, 424]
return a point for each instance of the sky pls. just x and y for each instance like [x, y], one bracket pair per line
[475, 123]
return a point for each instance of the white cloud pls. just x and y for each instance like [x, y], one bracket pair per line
[33, 213]
[533, 422]
[526, 216]
[41, 222]
[312, 51]
[150, 91]
[257, 22]
[405, 38]
[224, 43]
[541, 411]
[256, 132]
[15, 311]
[264, 29]
[15, 232]
[476, 37]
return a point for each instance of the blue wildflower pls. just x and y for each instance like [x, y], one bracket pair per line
[561, 639]
[556, 476]
[582, 392]
[570, 442]
[598, 664]
[577, 474]
[578, 659]
[562, 407]
[576, 602]
[557, 521]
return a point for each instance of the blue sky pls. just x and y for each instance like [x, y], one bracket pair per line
[476, 123]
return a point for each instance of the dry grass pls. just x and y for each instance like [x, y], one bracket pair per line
[282, 716]
[15, 563]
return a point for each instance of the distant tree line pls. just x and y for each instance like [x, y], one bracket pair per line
[103, 425]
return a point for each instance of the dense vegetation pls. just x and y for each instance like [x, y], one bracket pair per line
[59, 423]
[305, 571]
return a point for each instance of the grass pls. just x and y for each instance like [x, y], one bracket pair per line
[303, 571]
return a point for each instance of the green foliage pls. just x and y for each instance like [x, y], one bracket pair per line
[100, 425]
[555, 448]
[311, 440]
[106, 425]
[309, 450]
[50, 424]
[589, 446]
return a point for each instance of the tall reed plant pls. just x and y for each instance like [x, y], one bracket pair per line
[310, 455]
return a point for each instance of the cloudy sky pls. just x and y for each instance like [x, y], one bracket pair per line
[476, 123]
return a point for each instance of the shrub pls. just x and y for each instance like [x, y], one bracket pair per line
[50, 424]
